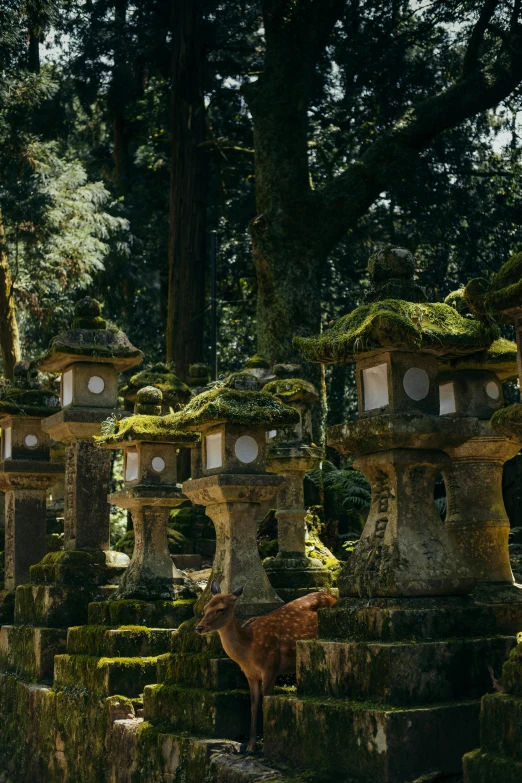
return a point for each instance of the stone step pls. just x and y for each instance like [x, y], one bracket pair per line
[394, 620]
[152, 614]
[55, 606]
[71, 567]
[482, 767]
[224, 714]
[200, 670]
[501, 725]
[104, 676]
[30, 652]
[292, 593]
[123, 642]
[400, 674]
[363, 742]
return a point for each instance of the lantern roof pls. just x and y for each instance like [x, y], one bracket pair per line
[503, 293]
[163, 377]
[291, 390]
[89, 340]
[26, 394]
[404, 322]
[500, 358]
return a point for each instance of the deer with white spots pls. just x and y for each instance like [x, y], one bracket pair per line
[264, 647]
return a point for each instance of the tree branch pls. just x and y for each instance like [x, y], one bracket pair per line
[471, 57]
[341, 203]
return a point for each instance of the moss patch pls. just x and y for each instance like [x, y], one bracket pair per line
[397, 324]
[506, 288]
[292, 390]
[175, 392]
[500, 358]
[508, 421]
[157, 429]
[221, 404]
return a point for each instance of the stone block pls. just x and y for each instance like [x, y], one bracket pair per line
[482, 767]
[7, 604]
[196, 711]
[125, 642]
[74, 567]
[391, 620]
[512, 672]
[187, 561]
[361, 741]
[104, 676]
[152, 614]
[51, 606]
[505, 601]
[501, 725]
[200, 670]
[400, 673]
[29, 652]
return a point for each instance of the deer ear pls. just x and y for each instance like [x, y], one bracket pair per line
[238, 591]
[215, 588]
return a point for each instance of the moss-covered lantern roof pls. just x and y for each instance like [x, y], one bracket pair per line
[162, 376]
[500, 358]
[88, 340]
[145, 426]
[26, 394]
[291, 390]
[508, 421]
[502, 294]
[398, 323]
[235, 402]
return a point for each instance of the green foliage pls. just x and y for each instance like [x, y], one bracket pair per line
[348, 487]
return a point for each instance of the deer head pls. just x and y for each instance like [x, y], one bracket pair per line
[219, 610]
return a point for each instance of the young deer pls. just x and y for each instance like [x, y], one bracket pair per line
[265, 646]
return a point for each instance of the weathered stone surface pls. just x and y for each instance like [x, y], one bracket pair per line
[400, 673]
[152, 614]
[505, 600]
[53, 606]
[104, 676]
[363, 741]
[200, 670]
[404, 548]
[487, 768]
[197, 711]
[29, 652]
[123, 642]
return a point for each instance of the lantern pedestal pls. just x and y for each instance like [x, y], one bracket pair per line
[291, 572]
[231, 501]
[151, 574]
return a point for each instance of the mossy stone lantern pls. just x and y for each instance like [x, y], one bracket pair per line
[89, 357]
[476, 519]
[150, 447]
[26, 473]
[291, 454]
[233, 420]
[396, 340]
[175, 393]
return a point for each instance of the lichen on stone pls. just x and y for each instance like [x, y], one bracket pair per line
[292, 390]
[140, 428]
[508, 421]
[221, 404]
[25, 395]
[505, 292]
[257, 362]
[434, 328]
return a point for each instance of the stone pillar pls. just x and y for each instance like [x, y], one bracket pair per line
[86, 512]
[476, 519]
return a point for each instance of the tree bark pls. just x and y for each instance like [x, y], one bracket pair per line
[118, 94]
[297, 227]
[188, 190]
[9, 335]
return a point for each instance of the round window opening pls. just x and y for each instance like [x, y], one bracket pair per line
[158, 464]
[96, 384]
[246, 449]
[492, 390]
[416, 383]
[30, 441]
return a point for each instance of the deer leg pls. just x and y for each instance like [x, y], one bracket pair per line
[254, 707]
[269, 678]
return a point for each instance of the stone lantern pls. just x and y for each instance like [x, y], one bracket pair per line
[233, 420]
[150, 447]
[476, 519]
[260, 369]
[291, 454]
[89, 357]
[198, 377]
[175, 392]
[26, 473]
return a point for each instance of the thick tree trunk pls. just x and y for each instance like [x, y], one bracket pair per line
[9, 336]
[118, 95]
[188, 190]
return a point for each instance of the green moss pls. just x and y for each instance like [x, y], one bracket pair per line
[395, 324]
[506, 287]
[256, 362]
[175, 392]
[500, 358]
[290, 390]
[28, 402]
[221, 404]
[508, 421]
[155, 429]
[457, 300]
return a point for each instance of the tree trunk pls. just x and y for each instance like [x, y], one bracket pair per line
[188, 190]
[9, 336]
[118, 94]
